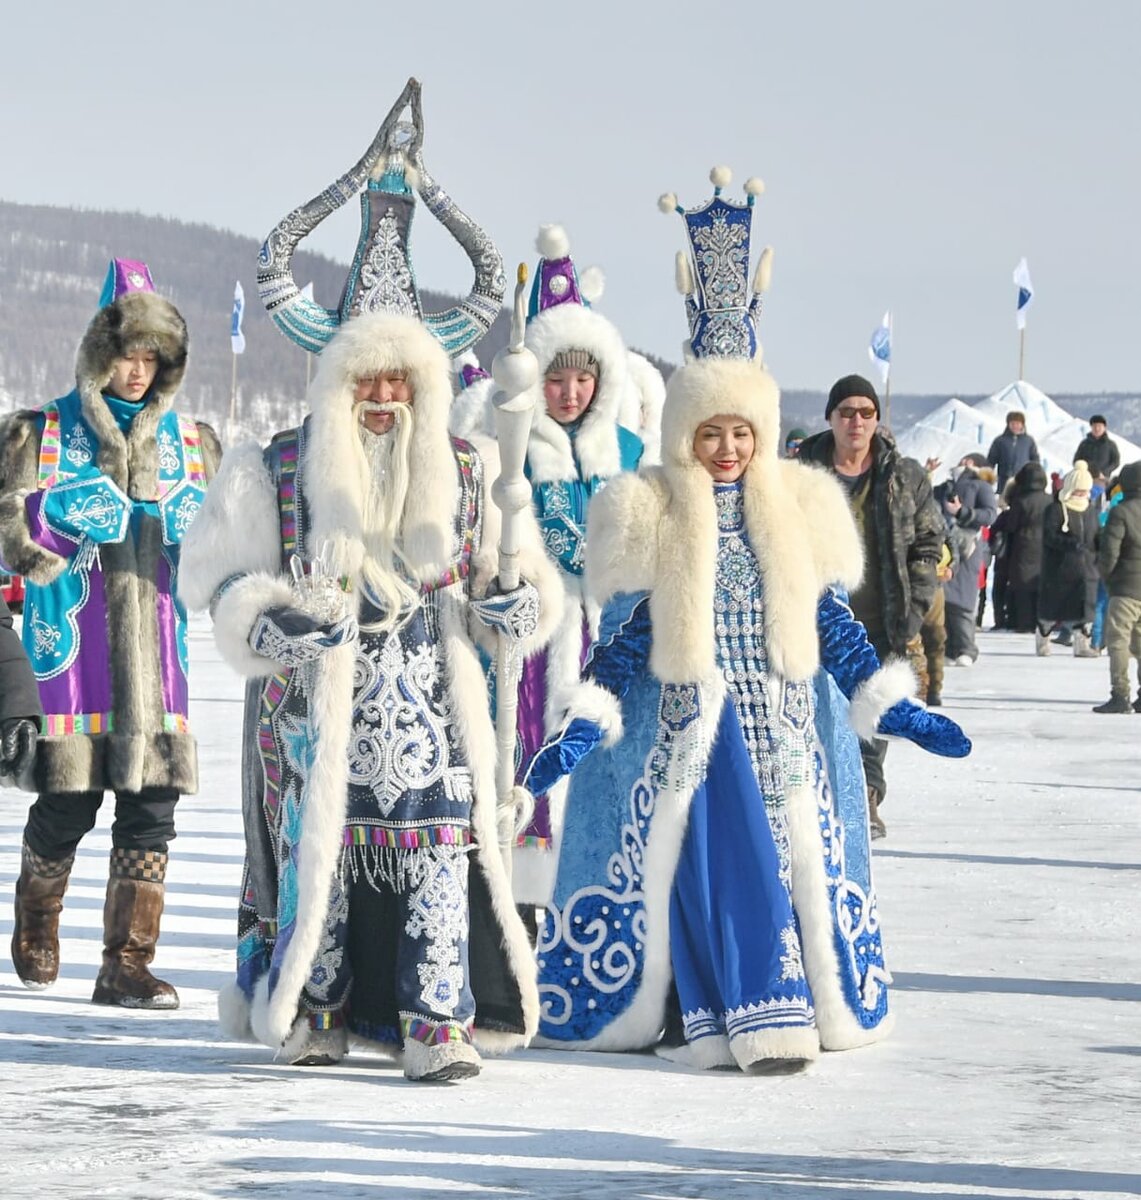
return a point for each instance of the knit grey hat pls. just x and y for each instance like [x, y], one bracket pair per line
[580, 360]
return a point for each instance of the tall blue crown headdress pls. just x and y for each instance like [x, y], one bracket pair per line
[714, 275]
[381, 278]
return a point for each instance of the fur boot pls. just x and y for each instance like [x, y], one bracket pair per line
[1041, 643]
[35, 935]
[131, 915]
[308, 1047]
[440, 1062]
[1082, 645]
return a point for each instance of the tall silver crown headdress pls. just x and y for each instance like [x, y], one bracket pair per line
[381, 278]
[714, 275]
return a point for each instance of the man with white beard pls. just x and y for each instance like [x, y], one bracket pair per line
[347, 567]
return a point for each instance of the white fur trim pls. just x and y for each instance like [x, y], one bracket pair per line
[234, 1013]
[587, 699]
[721, 177]
[683, 273]
[552, 242]
[706, 1054]
[837, 1026]
[322, 823]
[236, 531]
[592, 284]
[764, 275]
[549, 453]
[472, 413]
[643, 414]
[236, 613]
[772, 1045]
[302, 1041]
[894, 681]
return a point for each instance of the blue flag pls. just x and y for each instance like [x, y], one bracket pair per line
[879, 348]
[1025, 292]
[237, 337]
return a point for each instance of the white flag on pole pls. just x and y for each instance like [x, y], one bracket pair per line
[1025, 292]
[237, 337]
[879, 348]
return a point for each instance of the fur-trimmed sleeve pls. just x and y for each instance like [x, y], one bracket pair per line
[211, 449]
[231, 558]
[534, 564]
[833, 539]
[19, 466]
[622, 532]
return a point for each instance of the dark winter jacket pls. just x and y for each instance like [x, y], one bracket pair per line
[19, 696]
[1119, 545]
[909, 531]
[1101, 455]
[1009, 453]
[1020, 526]
[979, 509]
[1068, 587]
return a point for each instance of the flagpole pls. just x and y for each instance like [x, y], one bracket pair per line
[234, 389]
[1021, 352]
[887, 401]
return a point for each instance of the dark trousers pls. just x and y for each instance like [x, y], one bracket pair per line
[143, 820]
[1022, 606]
[1000, 594]
[960, 632]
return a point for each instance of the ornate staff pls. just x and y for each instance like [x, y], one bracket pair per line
[515, 371]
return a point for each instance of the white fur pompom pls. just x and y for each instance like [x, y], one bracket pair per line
[754, 187]
[667, 202]
[682, 274]
[552, 242]
[591, 284]
[411, 177]
[721, 177]
[467, 359]
[763, 277]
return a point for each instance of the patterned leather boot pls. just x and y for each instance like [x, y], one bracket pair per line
[131, 916]
[39, 898]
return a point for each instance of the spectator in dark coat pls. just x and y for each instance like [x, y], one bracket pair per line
[1020, 530]
[1098, 450]
[902, 531]
[19, 702]
[1119, 560]
[969, 506]
[1067, 595]
[1012, 449]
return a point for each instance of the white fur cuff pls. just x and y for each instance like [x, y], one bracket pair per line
[235, 613]
[893, 682]
[594, 703]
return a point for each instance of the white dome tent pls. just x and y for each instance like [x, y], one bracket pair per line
[955, 429]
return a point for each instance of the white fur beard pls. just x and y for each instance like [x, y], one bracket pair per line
[386, 471]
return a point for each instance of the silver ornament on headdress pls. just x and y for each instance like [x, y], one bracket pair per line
[381, 278]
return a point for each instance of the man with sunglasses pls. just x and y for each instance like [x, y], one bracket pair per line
[902, 531]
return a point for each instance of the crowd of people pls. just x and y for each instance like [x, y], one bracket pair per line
[597, 769]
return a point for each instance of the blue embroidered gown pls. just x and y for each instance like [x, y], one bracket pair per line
[736, 940]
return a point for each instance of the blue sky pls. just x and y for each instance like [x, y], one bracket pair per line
[912, 152]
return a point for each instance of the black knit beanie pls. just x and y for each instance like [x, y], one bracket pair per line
[846, 388]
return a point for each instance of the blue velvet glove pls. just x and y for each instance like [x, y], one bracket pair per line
[561, 755]
[930, 731]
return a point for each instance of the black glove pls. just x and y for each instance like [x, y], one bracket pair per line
[17, 745]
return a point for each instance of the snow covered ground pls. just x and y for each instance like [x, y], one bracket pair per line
[1009, 885]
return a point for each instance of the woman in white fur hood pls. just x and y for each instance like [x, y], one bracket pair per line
[702, 844]
[577, 445]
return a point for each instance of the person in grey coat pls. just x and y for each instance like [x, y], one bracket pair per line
[969, 506]
[1119, 561]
